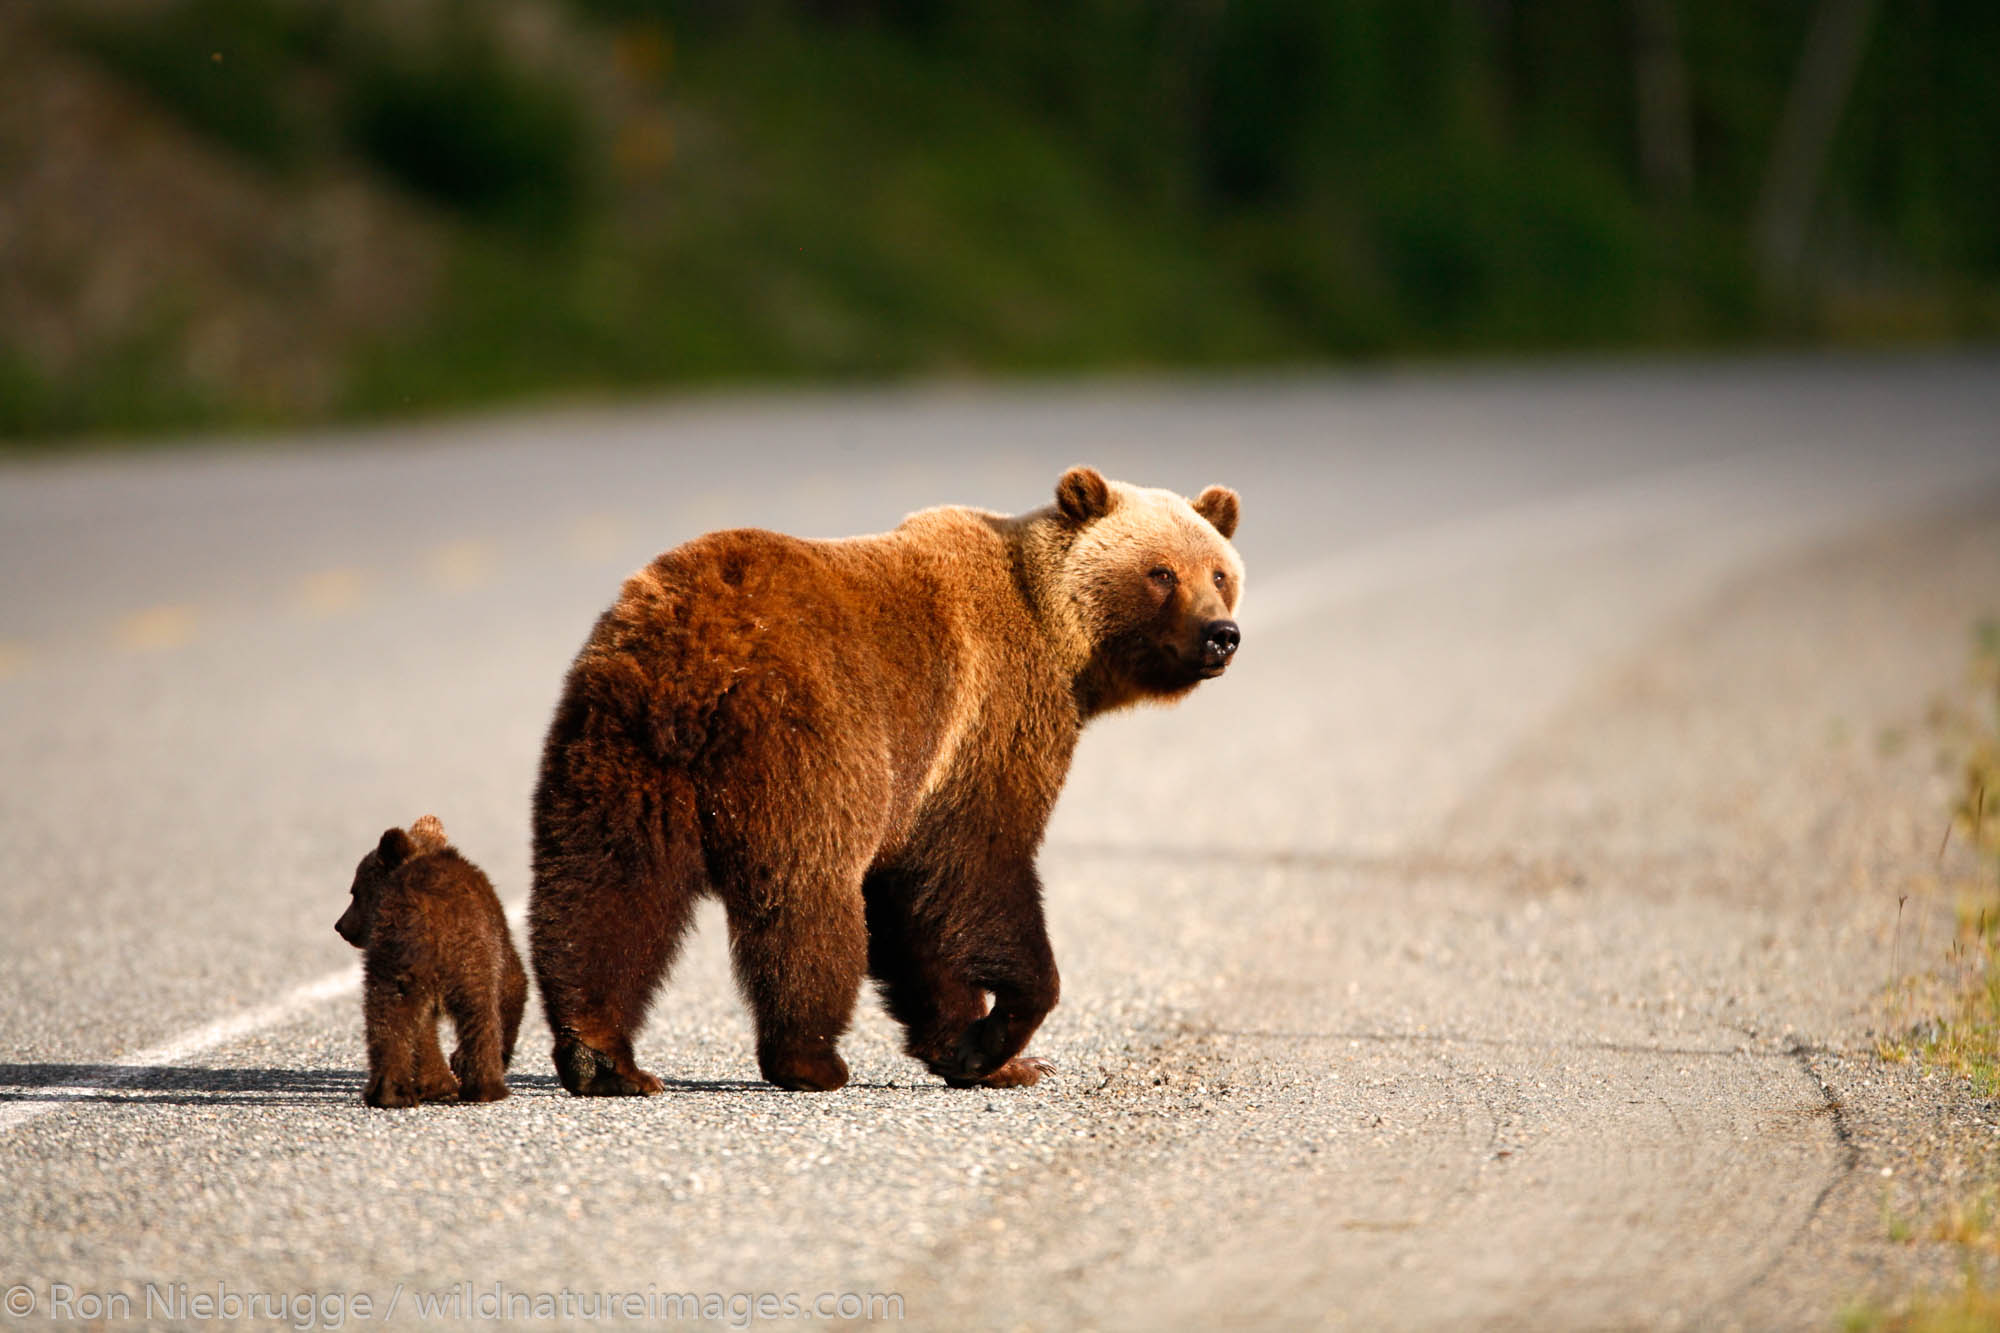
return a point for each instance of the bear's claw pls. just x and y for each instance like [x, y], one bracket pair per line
[1020, 1072]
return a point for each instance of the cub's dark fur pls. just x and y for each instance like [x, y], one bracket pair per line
[435, 942]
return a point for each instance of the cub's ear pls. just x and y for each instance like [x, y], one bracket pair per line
[1217, 504]
[427, 834]
[395, 848]
[1083, 495]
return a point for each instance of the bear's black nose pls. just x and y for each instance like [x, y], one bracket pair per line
[1218, 642]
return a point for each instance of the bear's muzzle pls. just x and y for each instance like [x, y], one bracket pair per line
[1219, 641]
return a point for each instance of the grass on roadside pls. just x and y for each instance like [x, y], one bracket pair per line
[1973, 1308]
[1963, 1038]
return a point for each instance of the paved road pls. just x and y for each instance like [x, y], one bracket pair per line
[1499, 944]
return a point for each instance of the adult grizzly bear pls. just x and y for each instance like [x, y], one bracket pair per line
[855, 745]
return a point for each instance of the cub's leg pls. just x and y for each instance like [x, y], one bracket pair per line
[392, 1017]
[475, 1013]
[436, 1081]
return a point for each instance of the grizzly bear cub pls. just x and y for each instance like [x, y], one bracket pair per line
[435, 942]
[855, 745]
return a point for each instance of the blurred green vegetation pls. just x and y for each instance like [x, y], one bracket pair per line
[663, 192]
[456, 122]
[177, 53]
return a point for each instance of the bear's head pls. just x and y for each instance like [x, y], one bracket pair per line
[1153, 582]
[396, 847]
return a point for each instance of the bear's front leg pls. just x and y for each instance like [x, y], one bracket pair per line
[921, 973]
[1007, 953]
[988, 1054]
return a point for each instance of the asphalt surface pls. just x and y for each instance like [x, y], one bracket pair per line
[1501, 943]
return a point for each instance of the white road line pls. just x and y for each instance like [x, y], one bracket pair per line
[199, 1041]
[185, 1046]
[1714, 490]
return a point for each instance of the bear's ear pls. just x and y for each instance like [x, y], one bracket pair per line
[395, 848]
[1217, 504]
[427, 834]
[1083, 495]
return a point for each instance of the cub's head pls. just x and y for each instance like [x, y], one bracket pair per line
[1154, 582]
[357, 923]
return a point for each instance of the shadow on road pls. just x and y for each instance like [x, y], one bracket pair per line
[179, 1085]
[176, 1085]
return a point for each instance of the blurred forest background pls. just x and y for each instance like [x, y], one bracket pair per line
[259, 212]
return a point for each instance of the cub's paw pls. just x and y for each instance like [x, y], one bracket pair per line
[473, 1085]
[389, 1094]
[465, 1068]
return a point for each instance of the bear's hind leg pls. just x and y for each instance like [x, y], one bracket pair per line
[596, 1014]
[392, 1017]
[604, 928]
[800, 966]
[475, 1014]
[436, 1080]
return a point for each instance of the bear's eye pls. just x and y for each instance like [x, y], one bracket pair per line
[1163, 576]
[1219, 580]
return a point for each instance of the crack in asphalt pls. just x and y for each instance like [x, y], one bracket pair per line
[1835, 1112]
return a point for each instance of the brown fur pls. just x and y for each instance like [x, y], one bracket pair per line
[855, 745]
[435, 942]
